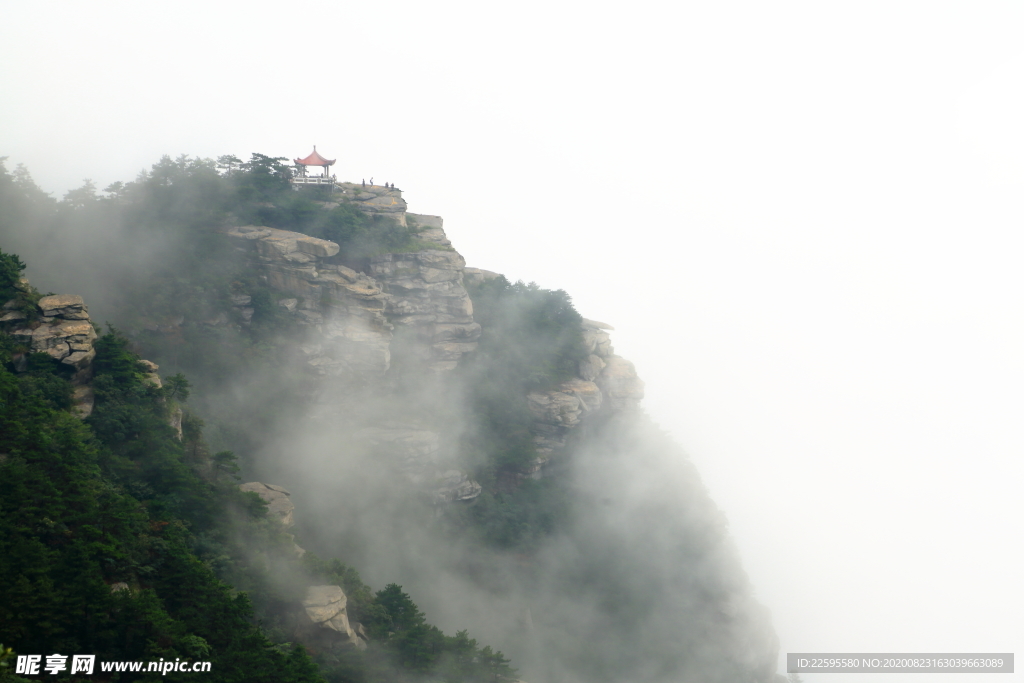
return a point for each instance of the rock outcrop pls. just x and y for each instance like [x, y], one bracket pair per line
[352, 318]
[605, 382]
[327, 607]
[349, 335]
[375, 199]
[64, 332]
[279, 506]
[278, 499]
[61, 329]
[352, 314]
[478, 276]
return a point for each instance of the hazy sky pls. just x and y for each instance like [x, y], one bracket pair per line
[803, 218]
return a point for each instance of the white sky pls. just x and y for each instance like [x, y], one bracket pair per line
[803, 218]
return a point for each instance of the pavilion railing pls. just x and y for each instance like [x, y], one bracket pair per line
[314, 180]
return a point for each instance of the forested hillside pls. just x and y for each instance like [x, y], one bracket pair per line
[460, 440]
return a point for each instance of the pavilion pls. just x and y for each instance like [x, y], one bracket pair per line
[314, 159]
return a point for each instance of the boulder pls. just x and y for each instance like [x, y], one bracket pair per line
[323, 603]
[326, 606]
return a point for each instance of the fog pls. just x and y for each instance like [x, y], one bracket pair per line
[802, 219]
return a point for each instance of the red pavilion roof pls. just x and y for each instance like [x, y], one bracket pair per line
[314, 159]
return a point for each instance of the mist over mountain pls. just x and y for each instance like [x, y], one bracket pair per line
[328, 396]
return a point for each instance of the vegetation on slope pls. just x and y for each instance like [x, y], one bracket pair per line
[245, 385]
[120, 539]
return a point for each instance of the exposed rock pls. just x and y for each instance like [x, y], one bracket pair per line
[64, 332]
[427, 294]
[152, 376]
[591, 367]
[55, 336]
[82, 401]
[326, 606]
[347, 273]
[176, 416]
[12, 316]
[596, 338]
[344, 309]
[428, 229]
[323, 603]
[605, 382]
[67, 306]
[478, 276]
[275, 244]
[375, 198]
[557, 411]
[119, 587]
[424, 222]
[278, 500]
[454, 486]
[621, 386]
[241, 300]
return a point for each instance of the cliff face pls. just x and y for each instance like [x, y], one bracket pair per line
[428, 296]
[351, 319]
[349, 335]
